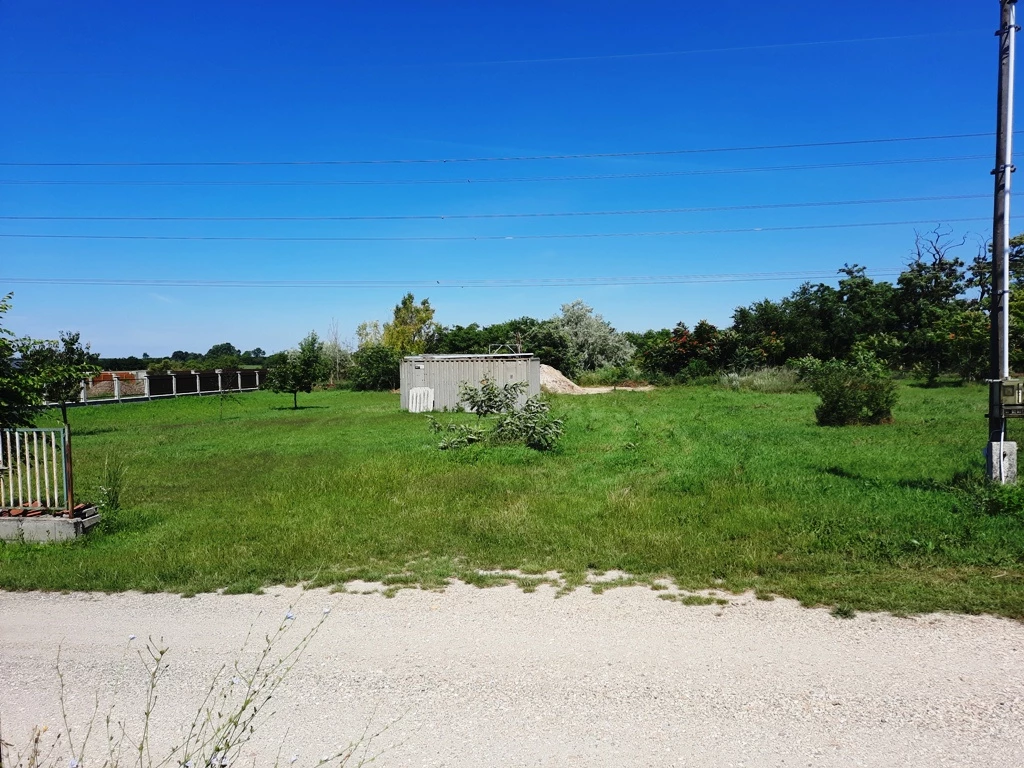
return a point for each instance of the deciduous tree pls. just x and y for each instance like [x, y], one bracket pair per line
[299, 370]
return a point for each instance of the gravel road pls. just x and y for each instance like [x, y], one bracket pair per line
[497, 677]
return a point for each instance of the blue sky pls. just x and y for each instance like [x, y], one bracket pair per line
[187, 82]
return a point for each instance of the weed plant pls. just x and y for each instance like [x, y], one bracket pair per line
[234, 706]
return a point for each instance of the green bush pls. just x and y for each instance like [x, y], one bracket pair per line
[531, 425]
[857, 391]
[489, 398]
[613, 376]
[375, 367]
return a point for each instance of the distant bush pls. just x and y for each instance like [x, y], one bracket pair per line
[857, 391]
[375, 367]
[765, 380]
[614, 376]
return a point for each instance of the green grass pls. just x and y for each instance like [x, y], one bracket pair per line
[710, 487]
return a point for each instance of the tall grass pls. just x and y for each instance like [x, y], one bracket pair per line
[704, 484]
[764, 380]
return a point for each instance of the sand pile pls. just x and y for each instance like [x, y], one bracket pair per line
[554, 381]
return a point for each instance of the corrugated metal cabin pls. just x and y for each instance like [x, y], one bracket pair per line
[444, 374]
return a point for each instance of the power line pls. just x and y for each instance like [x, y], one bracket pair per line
[499, 62]
[541, 282]
[483, 180]
[545, 214]
[470, 238]
[493, 159]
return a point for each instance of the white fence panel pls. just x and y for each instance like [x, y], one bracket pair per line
[32, 468]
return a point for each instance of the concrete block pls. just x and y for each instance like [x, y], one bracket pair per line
[44, 529]
[1008, 472]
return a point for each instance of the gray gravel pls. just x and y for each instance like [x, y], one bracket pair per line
[496, 677]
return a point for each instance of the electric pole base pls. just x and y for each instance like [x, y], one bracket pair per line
[1007, 473]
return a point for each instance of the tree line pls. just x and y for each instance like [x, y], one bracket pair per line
[932, 321]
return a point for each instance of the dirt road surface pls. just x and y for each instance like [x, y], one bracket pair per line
[496, 677]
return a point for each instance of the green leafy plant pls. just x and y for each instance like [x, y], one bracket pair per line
[489, 398]
[376, 368]
[456, 435]
[531, 425]
[857, 391]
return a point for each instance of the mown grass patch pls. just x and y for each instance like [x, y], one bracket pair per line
[712, 488]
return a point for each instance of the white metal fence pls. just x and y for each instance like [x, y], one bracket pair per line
[33, 470]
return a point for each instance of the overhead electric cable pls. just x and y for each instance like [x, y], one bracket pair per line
[542, 214]
[207, 70]
[479, 180]
[552, 282]
[471, 238]
[492, 159]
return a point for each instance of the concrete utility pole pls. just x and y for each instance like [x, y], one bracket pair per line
[1002, 455]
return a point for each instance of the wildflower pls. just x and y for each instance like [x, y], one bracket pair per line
[72, 763]
[131, 637]
[326, 611]
[289, 616]
[294, 758]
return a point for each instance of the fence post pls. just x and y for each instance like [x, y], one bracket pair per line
[174, 383]
[257, 379]
[117, 387]
[220, 386]
[145, 383]
[199, 384]
[69, 479]
[83, 397]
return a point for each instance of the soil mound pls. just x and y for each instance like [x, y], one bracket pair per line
[554, 381]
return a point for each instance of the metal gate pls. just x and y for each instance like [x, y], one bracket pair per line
[33, 469]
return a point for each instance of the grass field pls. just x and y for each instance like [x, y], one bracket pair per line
[707, 486]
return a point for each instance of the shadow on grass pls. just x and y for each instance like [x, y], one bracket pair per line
[301, 408]
[843, 473]
[938, 384]
[88, 431]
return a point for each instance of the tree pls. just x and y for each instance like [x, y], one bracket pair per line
[223, 350]
[553, 346]
[927, 295]
[412, 329]
[368, 334]
[375, 367]
[61, 366]
[299, 370]
[20, 386]
[592, 340]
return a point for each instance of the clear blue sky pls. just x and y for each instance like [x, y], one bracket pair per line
[107, 82]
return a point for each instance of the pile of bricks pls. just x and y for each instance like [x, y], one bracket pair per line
[36, 509]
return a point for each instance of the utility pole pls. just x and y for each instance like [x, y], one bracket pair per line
[1002, 455]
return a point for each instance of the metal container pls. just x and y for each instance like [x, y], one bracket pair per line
[444, 374]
